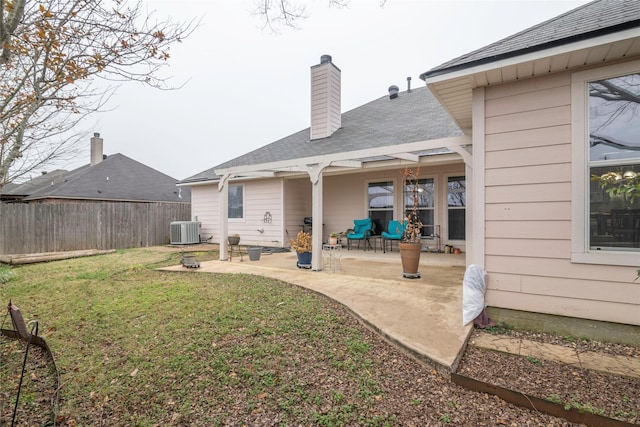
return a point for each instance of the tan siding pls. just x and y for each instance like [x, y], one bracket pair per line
[545, 173]
[541, 137]
[528, 229]
[528, 210]
[528, 156]
[597, 290]
[553, 211]
[529, 101]
[260, 196]
[551, 248]
[573, 307]
[558, 269]
[204, 206]
[546, 192]
[297, 202]
[553, 116]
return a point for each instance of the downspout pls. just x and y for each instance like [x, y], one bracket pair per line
[223, 205]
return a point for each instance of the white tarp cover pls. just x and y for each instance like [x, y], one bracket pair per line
[473, 288]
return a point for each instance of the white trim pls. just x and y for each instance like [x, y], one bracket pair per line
[558, 50]
[349, 155]
[580, 252]
[476, 189]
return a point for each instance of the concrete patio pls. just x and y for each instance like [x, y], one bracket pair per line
[422, 316]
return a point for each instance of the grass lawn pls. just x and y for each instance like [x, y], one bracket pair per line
[136, 346]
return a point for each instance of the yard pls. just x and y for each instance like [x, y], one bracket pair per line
[136, 346]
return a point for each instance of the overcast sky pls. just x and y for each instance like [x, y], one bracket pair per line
[248, 87]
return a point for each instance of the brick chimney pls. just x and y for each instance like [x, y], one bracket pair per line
[96, 149]
[325, 99]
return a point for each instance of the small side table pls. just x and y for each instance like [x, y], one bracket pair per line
[332, 257]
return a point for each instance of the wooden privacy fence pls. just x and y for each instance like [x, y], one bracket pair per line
[39, 227]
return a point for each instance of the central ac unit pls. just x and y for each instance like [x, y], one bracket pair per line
[185, 232]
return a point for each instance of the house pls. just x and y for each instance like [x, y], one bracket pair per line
[500, 137]
[114, 202]
[114, 178]
[343, 167]
[548, 109]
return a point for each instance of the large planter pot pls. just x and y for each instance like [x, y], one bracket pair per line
[254, 253]
[304, 259]
[233, 239]
[410, 256]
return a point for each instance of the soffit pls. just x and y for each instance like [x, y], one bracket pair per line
[454, 90]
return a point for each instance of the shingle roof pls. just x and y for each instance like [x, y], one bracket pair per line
[117, 177]
[36, 184]
[593, 19]
[411, 117]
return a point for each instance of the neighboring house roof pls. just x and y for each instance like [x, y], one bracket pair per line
[19, 191]
[603, 30]
[591, 20]
[413, 116]
[116, 178]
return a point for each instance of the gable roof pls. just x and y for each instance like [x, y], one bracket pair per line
[603, 30]
[116, 178]
[413, 116]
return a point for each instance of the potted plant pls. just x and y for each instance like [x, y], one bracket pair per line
[410, 245]
[302, 246]
[333, 238]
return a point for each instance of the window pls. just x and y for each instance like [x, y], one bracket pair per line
[381, 204]
[614, 162]
[236, 201]
[456, 206]
[426, 203]
[605, 124]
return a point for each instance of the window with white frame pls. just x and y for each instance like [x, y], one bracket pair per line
[614, 162]
[456, 206]
[605, 107]
[380, 196]
[236, 201]
[426, 204]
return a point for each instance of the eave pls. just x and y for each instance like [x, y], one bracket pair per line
[454, 87]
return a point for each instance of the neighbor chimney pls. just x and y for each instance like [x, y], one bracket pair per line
[96, 149]
[325, 99]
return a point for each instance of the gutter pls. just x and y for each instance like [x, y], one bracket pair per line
[531, 49]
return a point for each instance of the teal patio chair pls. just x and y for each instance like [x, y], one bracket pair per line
[361, 231]
[394, 232]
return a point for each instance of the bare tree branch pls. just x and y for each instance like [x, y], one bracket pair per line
[52, 52]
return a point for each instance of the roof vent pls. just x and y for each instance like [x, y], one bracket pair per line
[393, 91]
[409, 84]
[325, 59]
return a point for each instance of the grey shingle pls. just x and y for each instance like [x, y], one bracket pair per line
[117, 177]
[590, 20]
[412, 116]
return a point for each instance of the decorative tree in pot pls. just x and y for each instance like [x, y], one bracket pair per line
[410, 245]
[302, 246]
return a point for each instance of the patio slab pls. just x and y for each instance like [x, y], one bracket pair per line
[422, 316]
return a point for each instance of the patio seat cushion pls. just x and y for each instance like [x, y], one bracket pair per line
[394, 230]
[360, 229]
